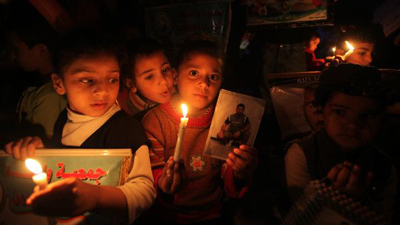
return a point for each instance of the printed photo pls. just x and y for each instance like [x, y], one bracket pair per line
[236, 120]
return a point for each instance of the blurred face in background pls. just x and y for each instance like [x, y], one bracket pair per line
[362, 54]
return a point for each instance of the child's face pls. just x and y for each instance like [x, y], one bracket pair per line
[199, 80]
[153, 77]
[313, 114]
[314, 44]
[91, 84]
[351, 121]
[22, 54]
[362, 54]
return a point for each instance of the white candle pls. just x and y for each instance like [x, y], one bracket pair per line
[40, 178]
[350, 51]
[334, 51]
[181, 132]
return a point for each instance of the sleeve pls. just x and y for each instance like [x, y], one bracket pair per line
[297, 175]
[46, 110]
[152, 128]
[231, 187]
[138, 189]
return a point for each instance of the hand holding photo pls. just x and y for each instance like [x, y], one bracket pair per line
[235, 122]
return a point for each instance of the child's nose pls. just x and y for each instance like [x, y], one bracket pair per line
[204, 82]
[100, 88]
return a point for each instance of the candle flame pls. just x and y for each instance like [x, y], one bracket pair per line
[33, 166]
[334, 49]
[351, 48]
[184, 110]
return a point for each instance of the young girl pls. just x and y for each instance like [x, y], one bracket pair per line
[148, 78]
[353, 101]
[87, 72]
[192, 190]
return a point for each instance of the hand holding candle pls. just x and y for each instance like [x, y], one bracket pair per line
[181, 132]
[40, 178]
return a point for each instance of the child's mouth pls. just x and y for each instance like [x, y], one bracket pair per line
[99, 105]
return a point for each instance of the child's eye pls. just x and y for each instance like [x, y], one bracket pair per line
[166, 69]
[214, 77]
[339, 112]
[193, 73]
[149, 77]
[86, 80]
[369, 115]
[114, 80]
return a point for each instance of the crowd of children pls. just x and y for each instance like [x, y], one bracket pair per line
[109, 89]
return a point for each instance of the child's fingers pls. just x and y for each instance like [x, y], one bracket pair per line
[24, 147]
[355, 176]
[8, 147]
[16, 149]
[343, 177]
[334, 172]
[176, 179]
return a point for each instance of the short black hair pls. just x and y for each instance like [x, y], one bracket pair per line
[361, 34]
[351, 79]
[32, 30]
[82, 43]
[202, 46]
[137, 48]
[240, 105]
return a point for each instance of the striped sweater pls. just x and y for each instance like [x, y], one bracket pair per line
[209, 179]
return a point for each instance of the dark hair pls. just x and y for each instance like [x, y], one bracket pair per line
[85, 43]
[311, 37]
[351, 79]
[240, 105]
[365, 35]
[32, 30]
[138, 48]
[201, 46]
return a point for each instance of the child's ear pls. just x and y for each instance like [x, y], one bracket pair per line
[175, 76]
[58, 83]
[130, 85]
[43, 49]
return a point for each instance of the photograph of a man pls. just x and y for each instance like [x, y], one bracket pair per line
[236, 128]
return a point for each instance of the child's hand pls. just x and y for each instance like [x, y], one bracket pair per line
[64, 198]
[172, 176]
[24, 147]
[243, 161]
[348, 179]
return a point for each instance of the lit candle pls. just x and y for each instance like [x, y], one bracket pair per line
[350, 51]
[40, 178]
[181, 132]
[334, 50]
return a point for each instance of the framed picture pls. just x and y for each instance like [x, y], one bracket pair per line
[293, 13]
[236, 120]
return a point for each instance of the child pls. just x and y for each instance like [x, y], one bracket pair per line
[31, 43]
[312, 62]
[352, 100]
[149, 78]
[363, 43]
[192, 190]
[87, 72]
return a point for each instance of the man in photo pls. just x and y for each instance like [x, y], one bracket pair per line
[236, 128]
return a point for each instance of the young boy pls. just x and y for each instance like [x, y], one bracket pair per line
[149, 78]
[363, 43]
[352, 99]
[31, 44]
[192, 189]
[87, 72]
[312, 62]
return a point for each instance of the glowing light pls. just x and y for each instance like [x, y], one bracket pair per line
[351, 48]
[33, 165]
[184, 110]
